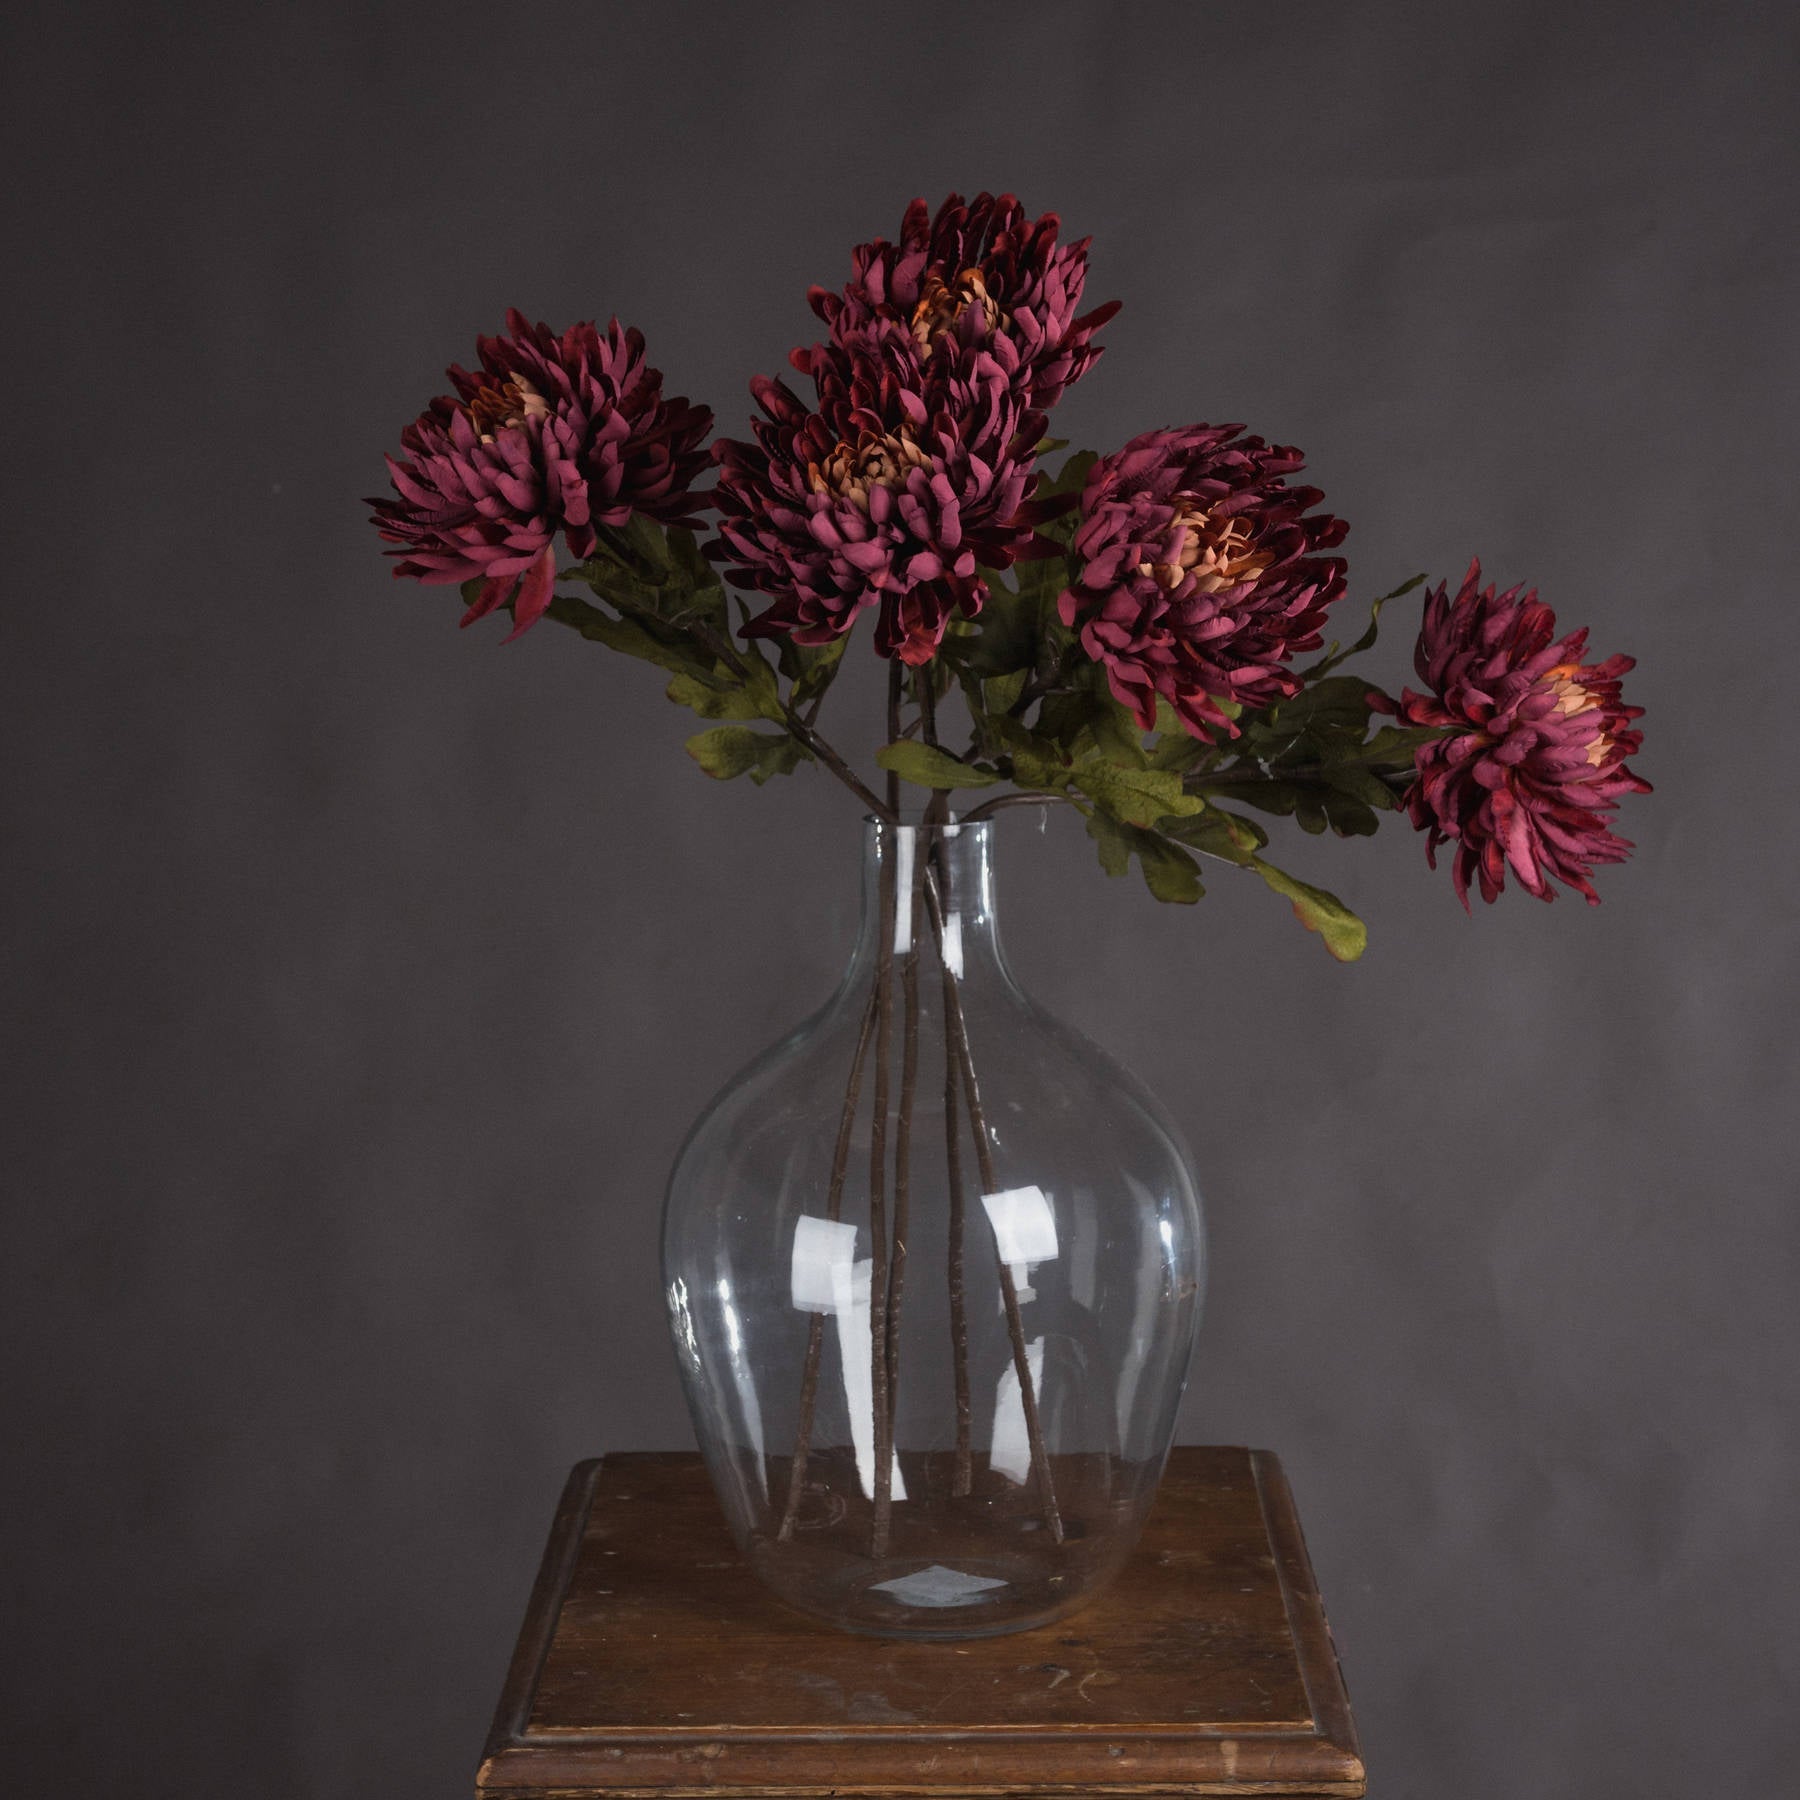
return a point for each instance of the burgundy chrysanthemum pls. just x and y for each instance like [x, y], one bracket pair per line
[552, 433]
[889, 491]
[979, 269]
[1536, 765]
[1201, 578]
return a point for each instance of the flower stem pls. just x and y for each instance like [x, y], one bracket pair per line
[815, 1334]
[909, 1081]
[728, 653]
[961, 1478]
[883, 1424]
[957, 1038]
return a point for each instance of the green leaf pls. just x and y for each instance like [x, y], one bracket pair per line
[634, 638]
[1397, 744]
[1134, 796]
[928, 768]
[1344, 934]
[1219, 834]
[1000, 693]
[1067, 716]
[816, 668]
[1116, 732]
[1007, 635]
[1334, 656]
[728, 751]
[1037, 765]
[1169, 872]
[1071, 478]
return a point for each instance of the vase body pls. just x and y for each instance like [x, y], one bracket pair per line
[933, 1266]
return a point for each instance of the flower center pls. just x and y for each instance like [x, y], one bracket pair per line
[872, 461]
[940, 306]
[508, 403]
[1218, 553]
[1572, 697]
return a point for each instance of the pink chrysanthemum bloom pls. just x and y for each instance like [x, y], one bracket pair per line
[979, 269]
[1201, 578]
[889, 492]
[1536, 764]
[552, 433]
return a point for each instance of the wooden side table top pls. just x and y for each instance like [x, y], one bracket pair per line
[653, 1663]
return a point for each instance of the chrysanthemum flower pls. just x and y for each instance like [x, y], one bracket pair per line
[978, 270]
[1200, 578]
[552, 433]
[889, 491]
[1535, 764]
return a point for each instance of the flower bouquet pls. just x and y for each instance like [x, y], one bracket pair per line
[1138, 637]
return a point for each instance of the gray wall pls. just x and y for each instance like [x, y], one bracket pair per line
[361, 976]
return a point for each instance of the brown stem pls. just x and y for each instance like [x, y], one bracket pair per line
[1009, 1295]
[961, 1478]
[909, 1081]
[729, 654]
[878, 1227]
[896, 677]
[925, 685]
[815, 1333]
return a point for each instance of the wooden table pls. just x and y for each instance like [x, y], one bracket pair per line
[653, 1664]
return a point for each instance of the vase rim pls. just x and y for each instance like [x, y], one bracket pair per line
[946, 827]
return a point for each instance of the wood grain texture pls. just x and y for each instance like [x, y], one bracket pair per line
[652, 1662]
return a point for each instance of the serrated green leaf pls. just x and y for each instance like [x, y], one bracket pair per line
[1218, 834]
[1169, 872]
[1134, 796]
[633, 638]
[927, 767]
[1007, 634]
[649, 542]
[1000, 693]
[1116, 733]
[812, 668]
[1399, 744]
[1067, 717]
[731, 697]
[1037, 765]
[1343, 933]
[728, 751]
[1349, 816]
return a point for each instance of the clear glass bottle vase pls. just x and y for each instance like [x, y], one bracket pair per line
[933, 1266]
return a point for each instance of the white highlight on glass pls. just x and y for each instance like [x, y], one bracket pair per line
[855, 1347]
[953, 960]
[822, 1247]
[745, 1383]
[825, 1277]
[903, 886]
[938, 1586]
[1010, 1453]
[1024, 1230]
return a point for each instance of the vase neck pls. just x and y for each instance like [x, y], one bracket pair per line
[930, 886]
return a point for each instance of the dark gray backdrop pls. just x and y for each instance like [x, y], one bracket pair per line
[361, 976]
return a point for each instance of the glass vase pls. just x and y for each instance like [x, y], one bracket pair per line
[933, 1266]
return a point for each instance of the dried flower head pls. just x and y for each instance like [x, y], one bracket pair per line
[975, 271]
[552, 433]
[1201, 578]
[1534, 765]
[888, 492]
